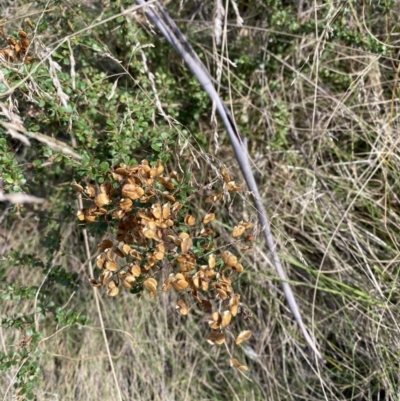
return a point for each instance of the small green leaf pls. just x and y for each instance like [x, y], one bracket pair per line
[7, 178]
[104, 166]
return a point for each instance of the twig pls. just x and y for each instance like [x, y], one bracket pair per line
[19, 198]
[53, 143]
[172, 34]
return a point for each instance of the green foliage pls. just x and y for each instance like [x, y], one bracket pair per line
[13, 176]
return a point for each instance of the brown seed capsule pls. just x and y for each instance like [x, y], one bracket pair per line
[181, 307]
[11, 41]
[215, 337]
[24, 43]
[28, 22]
[22, 34]
[236, 364]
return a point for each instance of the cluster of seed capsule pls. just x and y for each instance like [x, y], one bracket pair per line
[17, 49]
[154, 233]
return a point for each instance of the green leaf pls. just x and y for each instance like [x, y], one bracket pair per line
[7, 178]
[104, 166]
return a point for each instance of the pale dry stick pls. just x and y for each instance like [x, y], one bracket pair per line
[83, 359]
[37, 314]
[200, 72]
[53, 143]
[219, 12]
[224, 48]
[96, 297]
[194, 365]
[19, 198]
[54, 334]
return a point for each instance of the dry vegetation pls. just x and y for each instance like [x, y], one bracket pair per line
[315, 91]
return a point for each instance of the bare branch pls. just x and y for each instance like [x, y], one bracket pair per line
[20, 198]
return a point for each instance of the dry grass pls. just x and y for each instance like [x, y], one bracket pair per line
[327, 160]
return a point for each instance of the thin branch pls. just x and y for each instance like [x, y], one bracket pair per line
[19, 198]
[53, 143]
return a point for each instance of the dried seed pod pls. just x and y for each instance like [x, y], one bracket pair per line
[181, 307]
[90, 190]
[233, 187]
[95, 283]
[76, 187]
[28, 59]
[166, 182]
[102, 200]
[189, 220]
[226, 319]
[166, 211]
[151, 285]
[211, 261]
[22, 34]
[215, 322]
[225, 175]
[132, 191]
[216, 337]
[111, 266]
[208, 218]
[127, 280]
[243, 336]
[186, 242]
[156, 210]
[166, 195]
[234, 304]
[229, 259]
[214, 198]
[28, 22]
[238, 231]
[8, 54]
[237, 365]
[11, 41]
[100, 261]
[179, 283]
[112, 288]
[135, 269]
